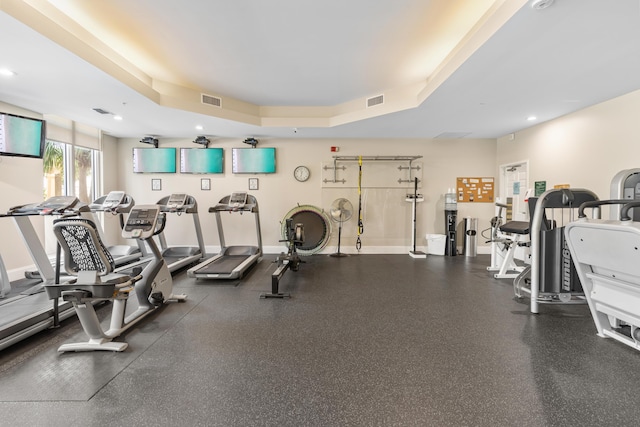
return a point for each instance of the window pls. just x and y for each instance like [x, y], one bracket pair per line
[84, 177]
[54, 170]
[70, 171]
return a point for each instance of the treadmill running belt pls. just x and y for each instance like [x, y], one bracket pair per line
[223, 265]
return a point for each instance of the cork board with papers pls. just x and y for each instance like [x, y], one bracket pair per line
[475, 190]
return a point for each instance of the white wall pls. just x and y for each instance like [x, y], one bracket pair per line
[387, 215]
[584, 149]
[110, 182]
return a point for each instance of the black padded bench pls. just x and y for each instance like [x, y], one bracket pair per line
[515, 227]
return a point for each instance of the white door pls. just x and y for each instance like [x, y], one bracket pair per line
[513, 189]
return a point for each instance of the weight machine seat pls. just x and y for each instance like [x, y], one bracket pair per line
[515, 227]
[84, 251]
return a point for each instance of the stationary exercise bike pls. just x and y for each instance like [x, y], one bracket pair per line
[86, 257]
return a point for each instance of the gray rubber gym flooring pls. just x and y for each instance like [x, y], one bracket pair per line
[367, 340]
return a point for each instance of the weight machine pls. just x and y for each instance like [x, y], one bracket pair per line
[607, 259]
[551, 277]
[505, 240]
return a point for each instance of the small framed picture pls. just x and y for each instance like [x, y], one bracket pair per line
[156, 184]
[253, 183]
[205, 184]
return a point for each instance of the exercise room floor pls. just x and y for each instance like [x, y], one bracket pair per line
[366, 340]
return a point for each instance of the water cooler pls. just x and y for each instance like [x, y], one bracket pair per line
[450, 219]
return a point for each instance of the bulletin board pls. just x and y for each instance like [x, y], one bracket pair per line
[475, 190]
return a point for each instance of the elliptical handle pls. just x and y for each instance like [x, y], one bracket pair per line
[597, 203]
[624, 212]
[162, 221]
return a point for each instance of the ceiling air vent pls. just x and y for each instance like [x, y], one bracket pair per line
[211, 100]
[101, 111]
[452, 135]
[376, 100]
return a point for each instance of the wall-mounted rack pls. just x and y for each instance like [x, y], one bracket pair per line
[334, 168]
[406, 164]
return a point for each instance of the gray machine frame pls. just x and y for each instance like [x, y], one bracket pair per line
[625, 185]
[178, 257]
[237, 260]
[607, 261]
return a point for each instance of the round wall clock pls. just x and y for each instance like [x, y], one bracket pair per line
[301, 173]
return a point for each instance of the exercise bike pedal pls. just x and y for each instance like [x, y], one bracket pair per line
[156, 298]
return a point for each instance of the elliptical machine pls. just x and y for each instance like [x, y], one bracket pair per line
[87, 258]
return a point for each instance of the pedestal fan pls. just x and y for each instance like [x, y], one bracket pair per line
[340, 211]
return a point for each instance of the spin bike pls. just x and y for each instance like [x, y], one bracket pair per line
[290, 260]
[87, 258]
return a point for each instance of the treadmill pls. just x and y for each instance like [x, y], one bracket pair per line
[25, 308]
[233, 261]
[118, 203]
[178, 257]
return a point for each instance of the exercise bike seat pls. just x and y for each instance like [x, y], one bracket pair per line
[104, 287]
[87, 258]
[515, 227]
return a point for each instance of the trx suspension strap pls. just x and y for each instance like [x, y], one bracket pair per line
[360, 223]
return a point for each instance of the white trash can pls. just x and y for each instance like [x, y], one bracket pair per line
[436, 244]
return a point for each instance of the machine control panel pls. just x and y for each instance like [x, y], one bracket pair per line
[55, 204]
[237, 200]
[112, 200]
[177, 201]
[141, 222]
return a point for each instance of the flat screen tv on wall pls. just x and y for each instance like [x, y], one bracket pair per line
[201, 160]
[154, 160]
[21, 136]
[253, 160]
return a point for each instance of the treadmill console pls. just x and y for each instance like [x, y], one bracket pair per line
[237, 200]
[113, 200]
[141, 222]
[176, 201]
[55, 204]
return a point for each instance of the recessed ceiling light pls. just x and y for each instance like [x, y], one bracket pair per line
[541, 4]
[6, 72]
[532, 118]
[116, 117]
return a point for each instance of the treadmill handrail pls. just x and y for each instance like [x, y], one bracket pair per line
[190, 206]
[124, 207]
[251, 205]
